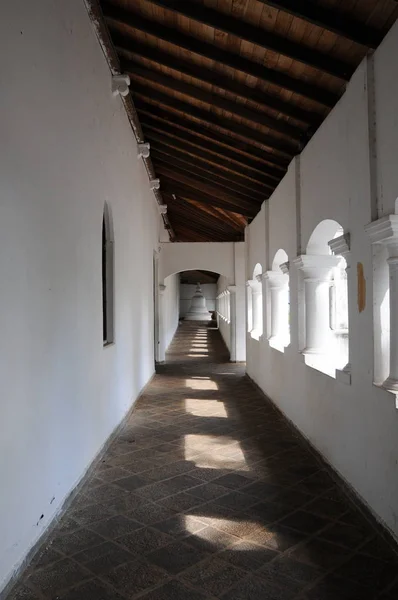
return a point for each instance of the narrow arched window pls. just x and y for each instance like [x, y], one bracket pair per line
[107, 279]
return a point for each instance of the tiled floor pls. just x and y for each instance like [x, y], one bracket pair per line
[205, 494]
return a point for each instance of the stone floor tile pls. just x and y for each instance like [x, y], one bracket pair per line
[213, 576]
[174, 590]
[176, 557]
[135, 577]
[233, 483]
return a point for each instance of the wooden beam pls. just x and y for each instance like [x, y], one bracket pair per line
[258, 36]
[127, 45]
[174, 142]
[177, 38]
[197, 218]
[211, 189]
[215, 100]
[171, 186]
[254, 137]
[160, 160]
[171, 155]
[333, 20]
[161, 118]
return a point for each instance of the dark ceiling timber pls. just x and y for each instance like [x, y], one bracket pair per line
[211, 189]
[163, 139]
[223, 57]
[206, 176]
[227, 92]
[230, 179]
[222, 145]
[238, 110]
[259, 37]
[128, 46]
[171, 185]
[333, 20]
[249, 134]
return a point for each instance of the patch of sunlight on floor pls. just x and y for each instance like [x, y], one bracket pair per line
[208, 452]
[205, 408]
[197, 384]
[197, 355]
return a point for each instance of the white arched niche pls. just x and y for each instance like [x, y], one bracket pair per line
[324, 275]
[277, 302]
[254, 303]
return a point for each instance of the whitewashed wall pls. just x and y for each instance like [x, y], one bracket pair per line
[354, 426]
[209, 291]
[66, 148]
[171, 307]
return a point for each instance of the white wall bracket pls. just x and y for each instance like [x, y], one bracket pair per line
[154, 184]
[120, 85]
[162, 209]
[143, 150]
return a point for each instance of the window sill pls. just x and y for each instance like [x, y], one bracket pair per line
[277, 344]
[108, 344]
[255, 334]
[320, 363]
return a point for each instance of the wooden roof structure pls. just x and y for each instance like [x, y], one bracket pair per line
[227, 92]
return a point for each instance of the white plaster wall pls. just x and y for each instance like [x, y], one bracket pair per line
[66, 148]
[171, 302]
[209, 291]
[354, 426]
[191, 256]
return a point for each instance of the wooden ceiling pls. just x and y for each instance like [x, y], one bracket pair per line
[229, 91]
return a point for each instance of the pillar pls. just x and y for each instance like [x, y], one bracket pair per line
[317, 272]
[340, 246]
[385, 231]
[233, 319]
[278, 294]
[161, 340]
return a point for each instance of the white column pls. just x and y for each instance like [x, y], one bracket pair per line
[385, 231]
[317, 272]
[232, 311]
[278, 285]
[161, 342]
[249, 306]
[340, 246]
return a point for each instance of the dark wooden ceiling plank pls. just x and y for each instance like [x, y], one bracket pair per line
[223, 57]
[125, 44]
[240, 183]
[218, 143]
[215, 100]
[255, 35]
[199, 215]
[332, 20]
[171, 186]
[215, 190]
[254, 137]
[167, 140]
[205, 176]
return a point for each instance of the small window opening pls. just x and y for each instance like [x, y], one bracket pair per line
[107, 280]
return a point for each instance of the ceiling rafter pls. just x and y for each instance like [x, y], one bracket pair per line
[127, 46]
[206, 177]
[333, 20]
[212, 99]
[180, 158]
[259, 37]
[211, 189]
[223, 57]
[217, 143]
[174, 142]
[172, 186]
[253, 136]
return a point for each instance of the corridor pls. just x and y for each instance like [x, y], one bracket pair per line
[208, 493]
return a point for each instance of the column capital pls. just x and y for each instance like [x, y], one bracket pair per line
[384, 230]
[341, 246]
[276, 279]
[255, 283]
[162, 288]
[285, 267]
[232, 289]
[316, 267]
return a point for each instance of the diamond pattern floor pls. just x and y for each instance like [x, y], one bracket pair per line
[207, 493]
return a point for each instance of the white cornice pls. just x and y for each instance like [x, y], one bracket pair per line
[383, 230]
[340, 245]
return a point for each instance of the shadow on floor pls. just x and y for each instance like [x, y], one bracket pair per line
[207, 493]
